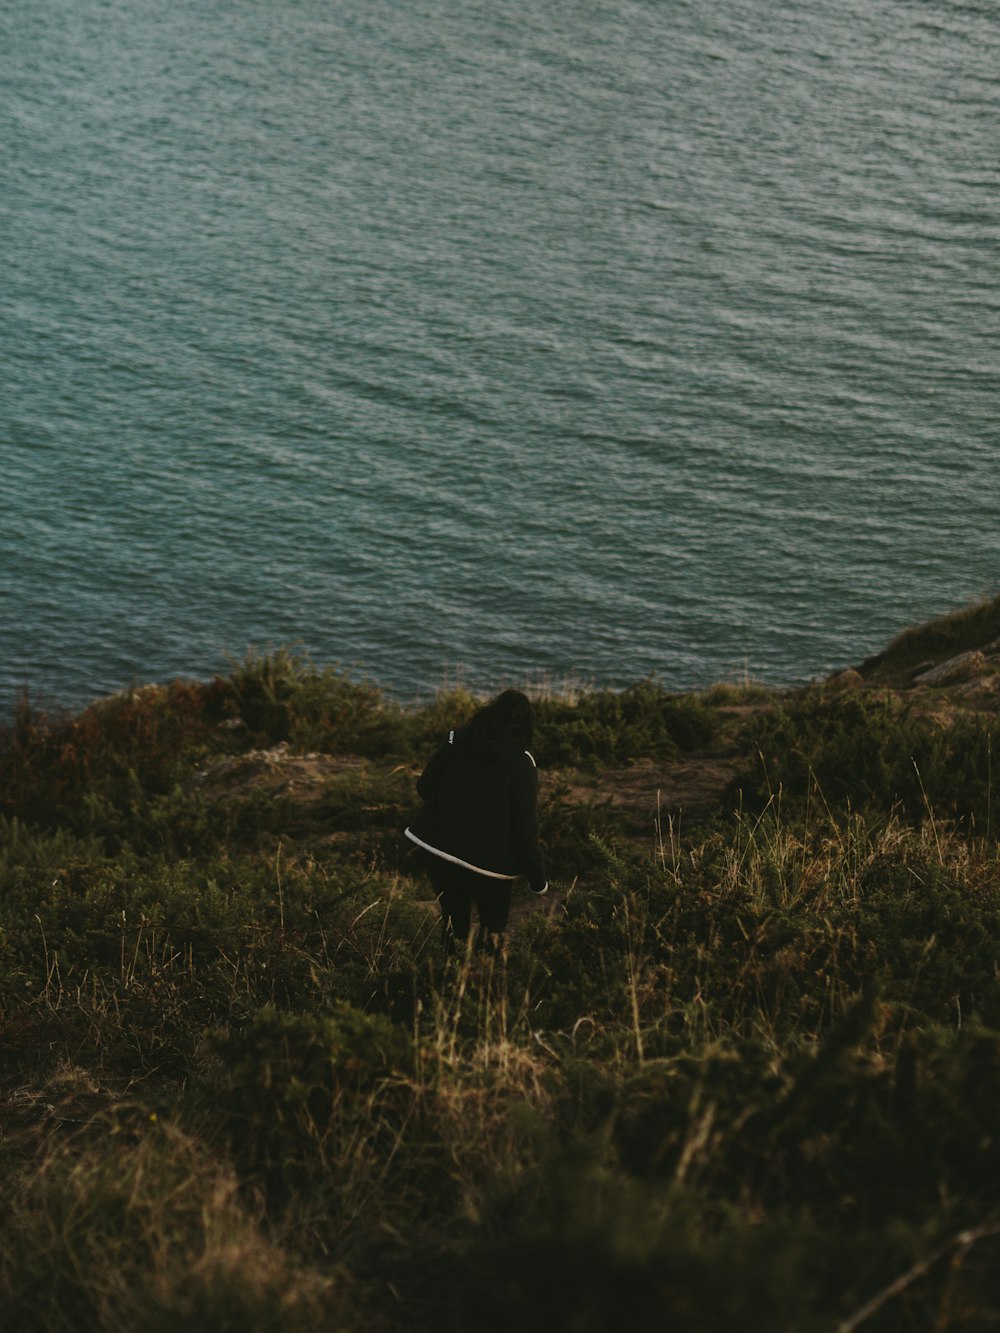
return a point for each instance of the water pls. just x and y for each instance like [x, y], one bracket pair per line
[556, 338]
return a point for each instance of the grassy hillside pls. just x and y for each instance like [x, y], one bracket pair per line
[740, 1071]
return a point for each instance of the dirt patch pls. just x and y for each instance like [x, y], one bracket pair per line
[276, 772]
[649, 795]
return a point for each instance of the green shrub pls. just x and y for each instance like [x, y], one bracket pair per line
[579, 1244]
[617, 727]
[306, 1092]
[874, 754]
[25, 848]
[281, 696]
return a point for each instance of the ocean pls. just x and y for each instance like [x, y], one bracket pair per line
[533, 342]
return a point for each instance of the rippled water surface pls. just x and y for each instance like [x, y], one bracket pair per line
[545, 338]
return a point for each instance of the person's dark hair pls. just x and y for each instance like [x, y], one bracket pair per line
[509, 715]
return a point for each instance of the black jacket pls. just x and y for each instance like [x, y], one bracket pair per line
[480, 810]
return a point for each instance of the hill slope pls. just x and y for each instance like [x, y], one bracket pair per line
[741, 1071]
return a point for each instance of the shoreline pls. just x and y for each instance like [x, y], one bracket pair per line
[969, 628]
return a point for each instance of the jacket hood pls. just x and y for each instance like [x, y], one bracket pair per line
[487, 746]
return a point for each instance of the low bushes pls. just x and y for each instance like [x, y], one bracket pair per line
[871, 753]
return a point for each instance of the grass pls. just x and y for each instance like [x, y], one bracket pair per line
[744, 1078]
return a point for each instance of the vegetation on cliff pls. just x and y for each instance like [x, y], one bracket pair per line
[741, 1071]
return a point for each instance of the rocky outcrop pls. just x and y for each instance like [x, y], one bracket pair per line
[960, 667]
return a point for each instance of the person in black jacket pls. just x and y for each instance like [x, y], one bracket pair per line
[479, 822]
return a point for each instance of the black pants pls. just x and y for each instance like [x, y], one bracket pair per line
[457, 889]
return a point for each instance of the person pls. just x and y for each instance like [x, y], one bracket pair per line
[479, 820]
